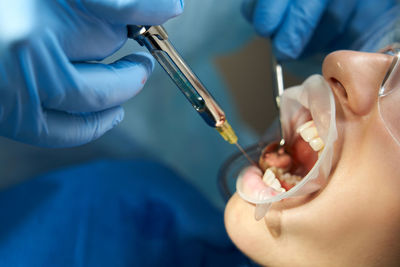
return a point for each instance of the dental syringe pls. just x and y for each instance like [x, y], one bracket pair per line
[155, 39]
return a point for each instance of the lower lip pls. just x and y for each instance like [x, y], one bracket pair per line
[252, 185]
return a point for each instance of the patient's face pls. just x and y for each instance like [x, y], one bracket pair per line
[354, 220]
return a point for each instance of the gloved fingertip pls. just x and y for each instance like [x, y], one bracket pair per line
[105, 121]
[110, 119]
[268, 16]
[262, 27]
[148, 61]
[247, 9]
[69, 130]
[143, 58]
[285, 53]
[119, 117]
[180, 5]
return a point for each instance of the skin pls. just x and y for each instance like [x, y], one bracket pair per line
[354, 220]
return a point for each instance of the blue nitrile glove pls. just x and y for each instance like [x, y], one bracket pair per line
[298, 26]
[50, 95]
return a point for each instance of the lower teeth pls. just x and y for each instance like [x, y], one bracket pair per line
[280, 180]
[276, 164]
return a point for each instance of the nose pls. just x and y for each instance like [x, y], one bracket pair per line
[355, 77]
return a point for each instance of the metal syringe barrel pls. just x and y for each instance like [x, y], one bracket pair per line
[155, 39]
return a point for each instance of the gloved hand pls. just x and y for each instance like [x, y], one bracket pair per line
[298, 26]
[50, 94]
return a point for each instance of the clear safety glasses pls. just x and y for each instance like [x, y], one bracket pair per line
[389, 94]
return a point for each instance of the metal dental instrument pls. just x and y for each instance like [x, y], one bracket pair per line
[155, 39]
[278, 89]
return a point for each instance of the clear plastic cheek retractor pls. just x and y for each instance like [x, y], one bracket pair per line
[314, 99]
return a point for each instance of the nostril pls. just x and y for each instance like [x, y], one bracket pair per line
[338, 88]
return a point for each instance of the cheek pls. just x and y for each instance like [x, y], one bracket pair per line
[357, 211]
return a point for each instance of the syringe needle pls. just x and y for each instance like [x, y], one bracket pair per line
[245, 154]
[229, 135]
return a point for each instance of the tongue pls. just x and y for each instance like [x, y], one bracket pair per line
[298, 160]
[301, 160]
[304, 157]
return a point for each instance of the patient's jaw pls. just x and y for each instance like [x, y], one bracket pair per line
[354, 220]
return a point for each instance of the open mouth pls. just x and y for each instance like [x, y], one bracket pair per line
[281, 168]
[303, 165]
[285, 166]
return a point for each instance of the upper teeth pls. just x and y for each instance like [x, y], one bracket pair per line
[309, 133]
[317, 144]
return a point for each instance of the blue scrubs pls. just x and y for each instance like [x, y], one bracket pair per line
[112, 213]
